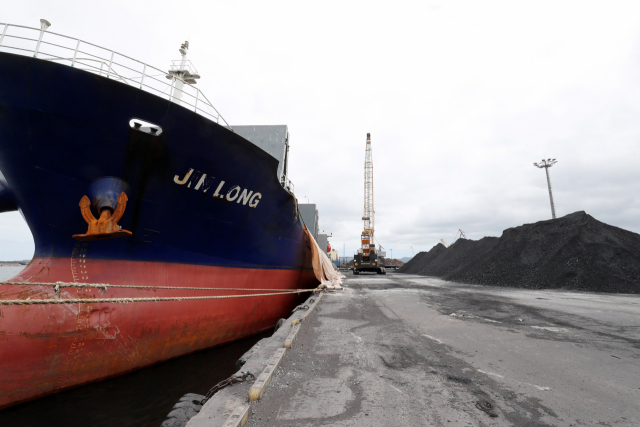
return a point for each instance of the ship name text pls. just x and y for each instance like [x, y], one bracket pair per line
[203, 182]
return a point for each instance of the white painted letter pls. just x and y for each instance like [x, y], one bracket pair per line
[205, 182]
[195, 176]
[236, 189]
[179, 181]
[218, 189]
[244, 197]
[254, 200]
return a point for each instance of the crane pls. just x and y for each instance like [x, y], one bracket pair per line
[459, 235]
[368, 217]
[366, 259]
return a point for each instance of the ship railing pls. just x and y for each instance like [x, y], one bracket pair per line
[285, 182]
[183, 65]
[50, 46]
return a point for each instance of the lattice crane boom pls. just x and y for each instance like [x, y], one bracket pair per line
[369, 212]
[369, 258]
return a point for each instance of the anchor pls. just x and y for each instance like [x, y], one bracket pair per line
[103, 191]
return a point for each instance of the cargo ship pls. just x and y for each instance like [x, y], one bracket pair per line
[145, 208]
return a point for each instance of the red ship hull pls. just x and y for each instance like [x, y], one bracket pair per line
[53, 347]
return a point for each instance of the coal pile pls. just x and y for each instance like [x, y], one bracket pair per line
[573, 252]
[423, 259]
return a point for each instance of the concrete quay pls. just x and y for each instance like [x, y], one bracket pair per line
[404, 350]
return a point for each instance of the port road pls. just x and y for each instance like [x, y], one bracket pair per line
[405, 350]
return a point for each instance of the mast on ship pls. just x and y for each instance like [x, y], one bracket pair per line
[183, 71]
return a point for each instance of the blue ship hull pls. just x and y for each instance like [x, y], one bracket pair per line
[62, 128]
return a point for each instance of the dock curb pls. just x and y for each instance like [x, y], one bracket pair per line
[299, 317]
[257, 390]
[227, 407]
[239, 416]
[288, 343]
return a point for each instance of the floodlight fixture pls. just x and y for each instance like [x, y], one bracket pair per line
[184, 48]
[44, 24]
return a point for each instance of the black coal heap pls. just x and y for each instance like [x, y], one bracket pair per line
[573, 252]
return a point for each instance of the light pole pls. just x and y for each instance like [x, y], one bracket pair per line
[546, 164]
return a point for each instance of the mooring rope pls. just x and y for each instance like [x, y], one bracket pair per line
[104, 286]
[128, 300]
[235, 378]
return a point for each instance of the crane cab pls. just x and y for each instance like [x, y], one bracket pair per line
[367, 258]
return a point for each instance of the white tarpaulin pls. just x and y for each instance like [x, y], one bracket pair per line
[322, 266]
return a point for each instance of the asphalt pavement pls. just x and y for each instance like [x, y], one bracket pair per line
[405, 350]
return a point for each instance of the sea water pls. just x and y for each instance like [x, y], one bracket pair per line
[8, 271]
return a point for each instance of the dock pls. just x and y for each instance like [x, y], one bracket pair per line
[405, 350]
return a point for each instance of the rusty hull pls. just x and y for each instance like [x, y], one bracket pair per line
[48, 348]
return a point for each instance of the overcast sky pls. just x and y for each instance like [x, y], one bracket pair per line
[460, 99]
